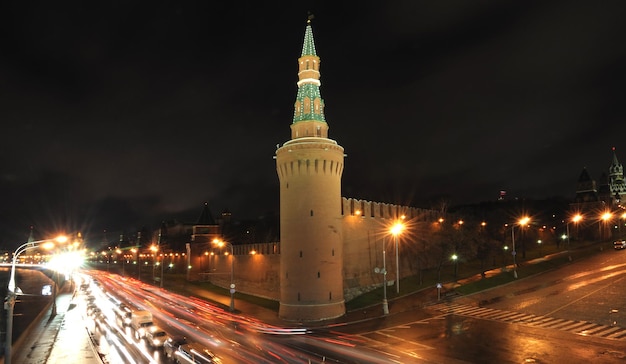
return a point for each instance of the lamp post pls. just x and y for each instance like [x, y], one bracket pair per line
[396, 230]
[384, 273]
[120, 252]
[513, 252]
[455, 259]
[521, 222]
[104, 254]
[575, 220]
[162, 264]
[605, 217]
[232, 271]
[504, 250]
[385, 302]
[135, 255]
[154, 249]
[13, 291]
[138, 265]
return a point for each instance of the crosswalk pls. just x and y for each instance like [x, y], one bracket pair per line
[583, 328]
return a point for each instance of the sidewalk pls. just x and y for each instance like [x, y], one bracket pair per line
[60, 338]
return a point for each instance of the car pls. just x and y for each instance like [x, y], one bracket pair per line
[172, 343]
[156, 337]
[100, 321]
[619, 244]
[85, 288]
[93, 311]
[90, 308]
[194, 353]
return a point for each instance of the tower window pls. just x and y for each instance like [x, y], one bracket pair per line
[333, 252]
[300, 253]
[298, 296]
[311, 212]
[318, 274]
[330, 296]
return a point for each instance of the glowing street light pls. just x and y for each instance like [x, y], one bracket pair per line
[232, 270]
[575, 219]
[606, 216]
[396, 230]
[523, 221]
[154, 249]
[13, 291]
[455, 259]
[119, 252]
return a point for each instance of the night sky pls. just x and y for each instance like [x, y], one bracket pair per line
[122, 115]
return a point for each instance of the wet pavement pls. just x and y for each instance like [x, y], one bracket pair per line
[60, 338]
[64, 337]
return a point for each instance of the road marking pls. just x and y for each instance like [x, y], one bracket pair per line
[583, 328]
[587, 295]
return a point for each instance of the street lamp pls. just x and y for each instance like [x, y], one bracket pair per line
[455, 259]
[605, 217]
[622, 217]
[504, 251]
[232, 270]
[135, 255]
[539, 244]
[119, 252]
[154, 249]
[575, 220]
[396, 230]
[521, 222]
[162, 264]
[13, 291]
[384, 273]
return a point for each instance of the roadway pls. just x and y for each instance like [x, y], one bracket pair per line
[574, 314]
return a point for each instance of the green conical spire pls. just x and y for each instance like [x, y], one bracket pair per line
[309, 105]
[308, 48]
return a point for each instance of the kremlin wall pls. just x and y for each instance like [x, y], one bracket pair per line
[365, 226]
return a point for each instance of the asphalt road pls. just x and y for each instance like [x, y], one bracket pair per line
[575, 314]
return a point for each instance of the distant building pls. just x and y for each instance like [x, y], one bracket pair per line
[608, 193]
[206, 229]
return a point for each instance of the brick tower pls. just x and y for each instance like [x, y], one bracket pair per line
[309, 168]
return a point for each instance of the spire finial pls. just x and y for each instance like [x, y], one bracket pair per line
[309, 18]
